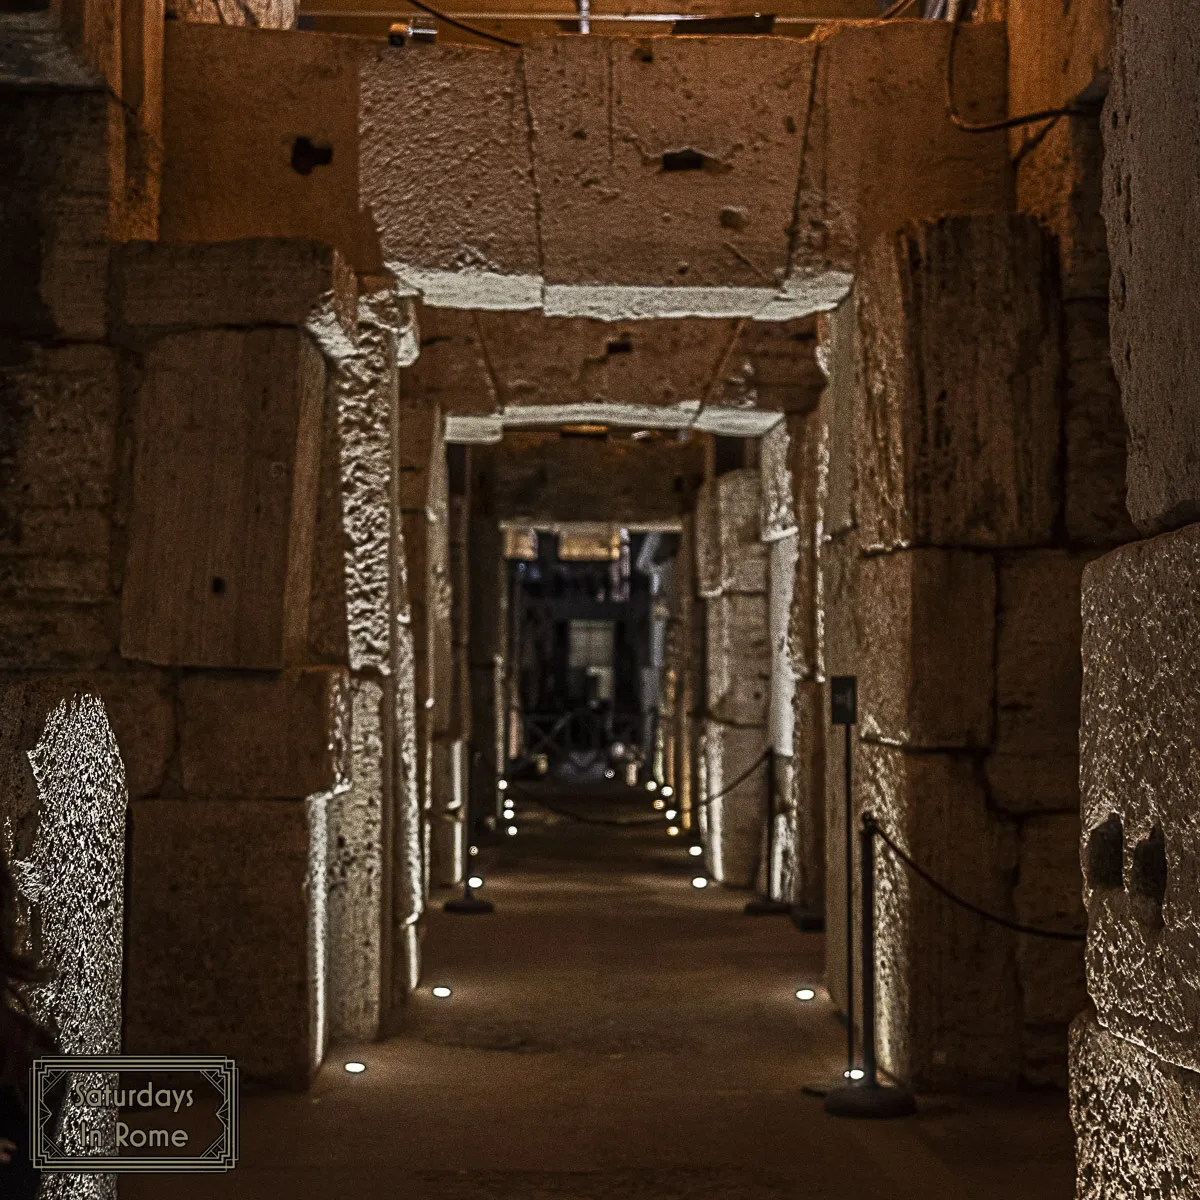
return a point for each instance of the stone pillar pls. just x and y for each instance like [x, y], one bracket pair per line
[950, 587]
[732, 573]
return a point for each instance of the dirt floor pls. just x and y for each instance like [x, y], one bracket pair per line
[616, 1034]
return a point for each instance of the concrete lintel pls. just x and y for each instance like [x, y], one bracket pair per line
[473, 430]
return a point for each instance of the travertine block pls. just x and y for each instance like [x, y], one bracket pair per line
[838, 567]
[140, 707]
[949, 1006]
[265, 737]
[1034, 765]
[1136, 1119]
[958, 438]
[1150, 137]
[1140, 784]
[37, 635]
[925, 622]
[743, 557]
[739, 658]
[804, 622]
[736, 821]
[840, 357]
[217, 944]
[259, 281]
[806, 799]
[1048, 896]
[227, 438]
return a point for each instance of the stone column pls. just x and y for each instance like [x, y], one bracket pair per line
[732, 573]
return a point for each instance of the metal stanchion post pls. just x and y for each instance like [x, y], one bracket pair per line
[868, 1097]
[766, 905]
[468, 904]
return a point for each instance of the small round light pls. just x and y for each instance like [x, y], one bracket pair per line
[429, 702]
[503, 784]
[472, 850]
[356, 1068]
[509, 813]
[670, 814]
[441, 992]
[651, 785]
[806, 994]
[610, 774]
[512, 831]
[668, 790]
[856, 1073]
[672, 831]
[699, 882]
[475, 881]
[695, 851]
[660, 804]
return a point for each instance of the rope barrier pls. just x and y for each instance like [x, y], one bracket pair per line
[614, 822]
[917, 869]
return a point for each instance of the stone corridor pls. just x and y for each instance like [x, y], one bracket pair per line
[615, 1034]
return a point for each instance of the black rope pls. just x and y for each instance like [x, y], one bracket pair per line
[1049, 114]
[1016, 926]
[758, 762]
[441, 16]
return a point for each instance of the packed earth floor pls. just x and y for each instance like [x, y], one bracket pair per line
[614, 1033]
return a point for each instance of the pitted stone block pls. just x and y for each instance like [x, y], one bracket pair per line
[738, 658]
[735, 821]
[1140, 784]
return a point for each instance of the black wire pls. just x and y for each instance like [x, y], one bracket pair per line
[441, 16]
[895, 10]
[758, 762]
[1049, 114]
[1016, 926]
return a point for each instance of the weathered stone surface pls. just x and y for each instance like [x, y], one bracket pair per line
[219, 564]
[1136, 1118]
[949, 1006]
[448, 176]
[925, 621]
[777, 516]
[140, 707]
[739, 659]
[806, 799]
[1050, 972]
[959, 437]
[708, 544]
[1034, 765]
[247, 119]
[773, 366]
[256, 14]
[447, 826]
[805, 618]
[742, 553]
[265, 736]
[355, 874]
[1150, 138]
[1095, 432]
[783, 553]
[736, 830]
[328, 612]
[452, 368]
[1140, 764]
[840, 357]
[261, 281]
[38, 635]
[62, 808]
[838, 567]
[218, 934]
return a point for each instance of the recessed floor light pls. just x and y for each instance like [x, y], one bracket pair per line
[512, 831]
[651, 785]
[668, 790]
[475, 881]
[695, 851]
[699, 882]
[855, 1073]
[672, 831]
[441, 992]
[806, 994]
[356, 1068]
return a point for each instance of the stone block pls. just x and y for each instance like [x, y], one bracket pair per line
[948, 1001]
[1150, 137]
[1140, 790]
[708, 545]
[245, 142]
[736, 831]
[958, 437]
[447, 827]
[452, 367]
[141, 711]
[448, 176]
[838, 566]
[925, 629]
[1095, 432]
[37, 635]
[1034, 765]
[1136, 1119]
[742, 553]
[265, 737]
[260, 281]
[328, 613]
[803, 624]
[777, 515]
[217, 940]
[1048, 895]
[739, 658]
[227, 436]
[806, 800]
[840, 356]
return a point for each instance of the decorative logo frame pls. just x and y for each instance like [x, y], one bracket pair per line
[47, 1155]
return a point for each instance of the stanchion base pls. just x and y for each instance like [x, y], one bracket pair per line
[808, 920]
[468, 906]
[767, 908]
[872, 1103]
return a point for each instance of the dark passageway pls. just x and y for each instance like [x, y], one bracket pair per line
[614, 1033]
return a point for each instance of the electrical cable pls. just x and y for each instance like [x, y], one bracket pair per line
[896, 9]
[1049, 114]
[1015, 926]
[441, 16]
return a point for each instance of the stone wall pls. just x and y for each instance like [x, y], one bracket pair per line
[950, 585]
